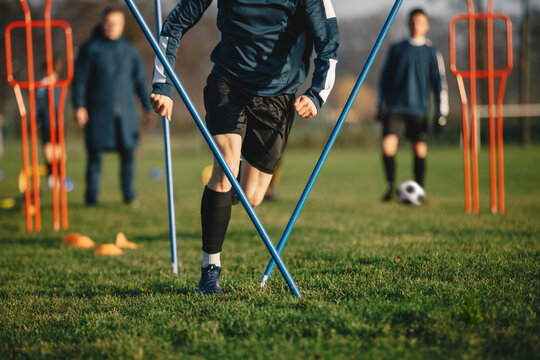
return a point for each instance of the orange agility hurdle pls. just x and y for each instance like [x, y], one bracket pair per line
[56, 121]
[473, 74]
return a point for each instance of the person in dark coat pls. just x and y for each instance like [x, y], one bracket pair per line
[109, 74]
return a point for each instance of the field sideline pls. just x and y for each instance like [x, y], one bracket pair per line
[378, 280]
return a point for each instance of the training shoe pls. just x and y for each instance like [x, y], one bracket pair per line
[209, 283]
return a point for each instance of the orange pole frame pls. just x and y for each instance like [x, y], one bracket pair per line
[56, 120]
[472, 74]
[474, 125]
[26, 166]
[52, 113]
[491, 114]
[32, 104]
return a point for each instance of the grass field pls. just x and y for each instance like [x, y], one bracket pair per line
[378, 280]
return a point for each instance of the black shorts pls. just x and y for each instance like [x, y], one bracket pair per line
[415, 126]
[264, 122]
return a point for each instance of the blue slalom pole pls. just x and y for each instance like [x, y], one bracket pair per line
[215, 150]
[332, 139]
[168, 167]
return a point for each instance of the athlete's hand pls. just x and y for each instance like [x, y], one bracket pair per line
[81, 116]
[305, 107]
[162, 105]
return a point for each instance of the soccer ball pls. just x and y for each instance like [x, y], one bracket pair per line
[410, 193]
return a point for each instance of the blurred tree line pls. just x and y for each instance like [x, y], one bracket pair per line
[357, 38]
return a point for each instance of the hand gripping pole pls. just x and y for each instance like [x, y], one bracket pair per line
[332, 138]
[215, 150]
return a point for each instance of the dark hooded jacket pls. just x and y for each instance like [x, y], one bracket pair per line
[109, 74]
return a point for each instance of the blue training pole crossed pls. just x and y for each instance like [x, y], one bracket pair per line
[307, 190]
[168, 167]
[215, 150]
[332, 139]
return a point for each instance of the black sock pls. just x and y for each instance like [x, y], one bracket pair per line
[419, 170]
[389, 169]
[215, 216]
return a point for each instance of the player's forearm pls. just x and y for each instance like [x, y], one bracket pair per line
[324, 28]
[180, 20]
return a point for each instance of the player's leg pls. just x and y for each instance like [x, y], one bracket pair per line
[390, 142]
[255, 183]
[226, 122]
[272, 192]
[417, 134]
[230, 146]
[216, 212]
[270, 121]
[93, 175]
[127, 174]
[420, 152]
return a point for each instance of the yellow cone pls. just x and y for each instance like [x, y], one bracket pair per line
[123, 243]
[7, 203]
[108, 250]
[42, 171]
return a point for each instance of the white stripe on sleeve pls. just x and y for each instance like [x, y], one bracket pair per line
[159, 71]
[329, 9]
[330, 79]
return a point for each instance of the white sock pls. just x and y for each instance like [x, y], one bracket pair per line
[210, 259]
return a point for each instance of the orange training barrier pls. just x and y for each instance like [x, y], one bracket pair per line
[56, 121]
[470, 156]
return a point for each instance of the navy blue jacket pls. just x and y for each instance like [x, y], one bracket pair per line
[108, 76]
[265, 47]
[410, 74]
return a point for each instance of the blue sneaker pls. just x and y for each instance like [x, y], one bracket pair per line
[209, 283]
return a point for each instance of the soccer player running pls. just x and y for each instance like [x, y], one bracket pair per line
[263, 57]
[413, 70]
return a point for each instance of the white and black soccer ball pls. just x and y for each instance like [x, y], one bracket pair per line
[410, 193]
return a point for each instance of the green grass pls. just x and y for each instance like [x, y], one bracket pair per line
[378, 280]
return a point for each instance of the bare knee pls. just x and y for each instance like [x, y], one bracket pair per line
[254, 195]
[219, 181]
[230, 146]
[420, 149]
[256, 200]
[390, 144]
